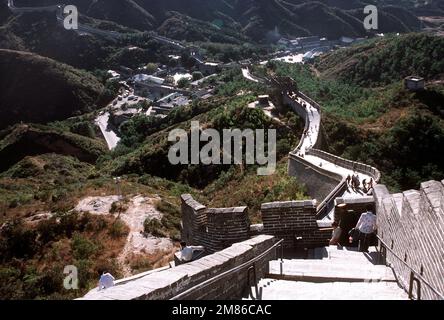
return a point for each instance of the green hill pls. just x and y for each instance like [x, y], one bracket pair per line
[387, 60]
[25, 140]
[38, 89]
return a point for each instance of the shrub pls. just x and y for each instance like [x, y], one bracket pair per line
[166, 207]
[197, 75]
[182, 83]
[154, 227]
[118, 207]
[82, 248]
[118, 229]
[18, 241]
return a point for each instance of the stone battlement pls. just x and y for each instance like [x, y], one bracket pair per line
[168, 283]
[412, 224]
[216, 229]
[213, 228]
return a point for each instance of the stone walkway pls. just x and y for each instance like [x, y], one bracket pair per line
[309, 140]
[333, 273]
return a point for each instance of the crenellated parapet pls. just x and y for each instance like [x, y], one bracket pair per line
[213, 228]
[218, 228]
[295, 222]
[412, 224]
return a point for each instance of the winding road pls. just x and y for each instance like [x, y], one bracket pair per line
[110, 136]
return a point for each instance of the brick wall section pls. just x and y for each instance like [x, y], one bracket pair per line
[169, 283]
[194, 220]
[289, 220]
[318, 182]
[227, 226]
[412, 224]
[215, 229]
[357, 205]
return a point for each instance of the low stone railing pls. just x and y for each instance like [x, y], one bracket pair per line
[348, 164]
[310, 100]
[172, 282]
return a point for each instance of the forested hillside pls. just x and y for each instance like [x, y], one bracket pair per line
[38, 89]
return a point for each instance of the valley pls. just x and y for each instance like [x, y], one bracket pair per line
[85, 117]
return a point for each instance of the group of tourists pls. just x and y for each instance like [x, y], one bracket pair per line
[362, 234]
[354, 183]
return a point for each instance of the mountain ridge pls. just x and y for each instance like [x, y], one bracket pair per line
[255, 19]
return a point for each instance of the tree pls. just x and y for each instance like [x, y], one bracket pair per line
[197, 75]
[151, 68]
[182, 83]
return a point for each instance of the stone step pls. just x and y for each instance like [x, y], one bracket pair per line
[271, 289]
[347, 254]
[332, 270]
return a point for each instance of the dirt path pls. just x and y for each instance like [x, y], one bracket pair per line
[139, 209]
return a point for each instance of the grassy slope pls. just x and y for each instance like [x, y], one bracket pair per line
[384, 61]
[23, 140]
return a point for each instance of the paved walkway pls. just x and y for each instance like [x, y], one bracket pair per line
[247, 75]
[310, 138]
[333, 273]
[110, 136]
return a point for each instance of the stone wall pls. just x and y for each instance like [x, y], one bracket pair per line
[169, 283]
[412, 224]
[318, 182]
[295, 222]
[348, 164]
[215, 229]
[194, 220]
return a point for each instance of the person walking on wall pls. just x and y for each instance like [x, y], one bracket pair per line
[336, 235]
[370, 184]
[367, 227]
[348, 181]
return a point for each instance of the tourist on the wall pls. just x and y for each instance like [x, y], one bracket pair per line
[367, 227]
[106, 281]
[348, 181]
[370, 184]
[190, 253]
[336, 235]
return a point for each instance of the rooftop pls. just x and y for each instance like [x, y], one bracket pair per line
[414, 78]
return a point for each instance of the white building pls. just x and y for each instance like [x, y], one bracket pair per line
[144, 78]
[114, 75]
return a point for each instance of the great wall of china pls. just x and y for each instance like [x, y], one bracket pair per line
[410, 231]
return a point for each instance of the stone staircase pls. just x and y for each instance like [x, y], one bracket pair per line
[330, 273]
